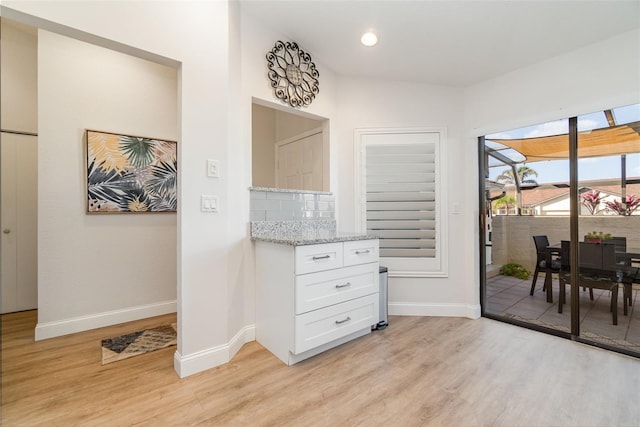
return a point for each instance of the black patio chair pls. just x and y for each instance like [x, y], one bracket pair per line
[597, 270]
[620, 243]
[541, 243]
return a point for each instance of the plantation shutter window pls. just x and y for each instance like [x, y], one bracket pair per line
[400, 198]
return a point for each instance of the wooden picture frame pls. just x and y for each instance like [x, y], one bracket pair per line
[130, 174]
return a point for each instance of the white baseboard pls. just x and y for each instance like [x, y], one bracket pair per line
[244, 335]
[442, 310]
[295, 358]
[190, 364]
[99, 320]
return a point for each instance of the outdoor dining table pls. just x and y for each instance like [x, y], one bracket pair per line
[630, 274]
[630, 255]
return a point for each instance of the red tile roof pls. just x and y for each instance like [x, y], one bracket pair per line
[541, 194]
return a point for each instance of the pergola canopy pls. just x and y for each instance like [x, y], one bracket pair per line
[609, 141]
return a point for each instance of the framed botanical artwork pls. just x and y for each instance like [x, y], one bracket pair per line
[130, 173]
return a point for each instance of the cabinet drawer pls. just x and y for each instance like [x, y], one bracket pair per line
[325, 325]
[318, 290]
[361, 252]
[312, 258]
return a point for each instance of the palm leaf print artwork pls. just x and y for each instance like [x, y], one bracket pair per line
[138, 151]
[130, 174]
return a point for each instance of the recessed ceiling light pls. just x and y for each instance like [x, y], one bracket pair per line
[369, 39]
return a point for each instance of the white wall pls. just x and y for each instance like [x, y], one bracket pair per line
[19, 172]
[18, 103]
[257, 40]
[240, 326]
[379, 104]
[194, 36]
[263, 149]
[289, 125]
[98, 269]
[599, 76]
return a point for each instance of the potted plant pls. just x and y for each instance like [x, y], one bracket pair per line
[597, 237]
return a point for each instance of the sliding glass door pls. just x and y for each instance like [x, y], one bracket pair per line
[609, 227]
[527, 214]
[544, 190]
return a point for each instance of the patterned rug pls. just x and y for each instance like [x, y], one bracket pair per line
[136, 343]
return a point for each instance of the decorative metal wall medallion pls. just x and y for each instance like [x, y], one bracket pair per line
[293, 76]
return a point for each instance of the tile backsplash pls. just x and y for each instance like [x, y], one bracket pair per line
[270, 204]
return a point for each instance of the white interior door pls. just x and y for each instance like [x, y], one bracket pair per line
[19, 271]
[299, 163]
[311, 169]
[289, 166]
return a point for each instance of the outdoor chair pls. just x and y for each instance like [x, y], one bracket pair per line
[620, 243]
[597, 270]
[565, 259]
[541, 243]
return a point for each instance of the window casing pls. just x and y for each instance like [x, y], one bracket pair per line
[399, 198]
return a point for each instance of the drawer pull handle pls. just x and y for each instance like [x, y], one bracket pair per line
[339, 322]
[315, 258]
[363, 252]
[344, 285]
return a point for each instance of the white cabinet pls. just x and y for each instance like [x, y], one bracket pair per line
[311, 298]
[318, 290]
[323, 257]
[360, 252]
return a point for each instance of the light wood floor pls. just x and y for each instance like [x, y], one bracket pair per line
[421, 371]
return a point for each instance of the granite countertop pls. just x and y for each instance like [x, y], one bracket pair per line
[298, 233]
[312, 238]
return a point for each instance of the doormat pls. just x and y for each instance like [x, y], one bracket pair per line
[137, 343]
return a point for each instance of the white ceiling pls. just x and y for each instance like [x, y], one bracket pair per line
[452, 43]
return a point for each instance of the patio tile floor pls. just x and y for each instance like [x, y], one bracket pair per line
[509, 296]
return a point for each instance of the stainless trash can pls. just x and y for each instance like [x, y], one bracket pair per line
[384, 300]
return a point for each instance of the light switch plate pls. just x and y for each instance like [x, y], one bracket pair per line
[209, 203]
[213, 168]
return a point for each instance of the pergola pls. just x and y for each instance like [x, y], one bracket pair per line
[609, 141]
[615, 140]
